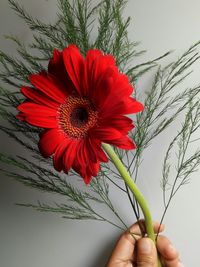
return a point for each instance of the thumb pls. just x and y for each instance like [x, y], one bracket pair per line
[146, 253]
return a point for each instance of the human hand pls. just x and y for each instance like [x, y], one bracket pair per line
[133, 251]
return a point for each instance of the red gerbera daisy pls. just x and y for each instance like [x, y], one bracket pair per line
[81, 102]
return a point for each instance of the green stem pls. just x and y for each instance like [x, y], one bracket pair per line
[134, 189]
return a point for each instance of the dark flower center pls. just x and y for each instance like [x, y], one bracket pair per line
[79, 116]
[76, 116]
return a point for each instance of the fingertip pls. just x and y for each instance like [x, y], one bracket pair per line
[146, 252]
[135, 228]
[180, 264]
[166, 249]
[145, 245]
[158, 227]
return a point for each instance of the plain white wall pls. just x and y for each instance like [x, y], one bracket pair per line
[29, 238]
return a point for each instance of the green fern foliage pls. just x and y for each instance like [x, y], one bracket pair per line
[102, 26]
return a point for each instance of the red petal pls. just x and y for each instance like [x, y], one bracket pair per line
[99, 73]
[106, 134]
[87, 178]
[56, 65]
[123, 107]
[124, 143]
[101, 64]
[84, 164]
[75, 66]
[69, 155]
[134, 105]
[82, 156]
[96, 144]
[86, 170]
[43, 122]
[21, 116]
[57, 68]
[49, 86]
[92, 55]
[38, 97]
[121, 123]
[33, 109]
[114, 137]
[103, 89]
[58, 155]
[49, 141]
[120, 88]
[92, 153]
[93, 168]
[112, 94]
[86, 175]
[102, 156]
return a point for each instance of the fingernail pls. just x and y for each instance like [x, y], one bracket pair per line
[145, 246]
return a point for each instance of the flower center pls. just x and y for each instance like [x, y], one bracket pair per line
[76, 116]
[79, 116]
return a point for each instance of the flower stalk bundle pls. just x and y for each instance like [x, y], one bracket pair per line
[73, 100]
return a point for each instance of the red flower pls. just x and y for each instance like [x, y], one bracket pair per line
[80, 102]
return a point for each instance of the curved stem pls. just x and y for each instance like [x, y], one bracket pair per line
[132, 202]
[134, 189]
[128, 180]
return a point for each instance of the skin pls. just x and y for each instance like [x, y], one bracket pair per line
[132, 250]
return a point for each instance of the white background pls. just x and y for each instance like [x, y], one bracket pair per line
[32, 239]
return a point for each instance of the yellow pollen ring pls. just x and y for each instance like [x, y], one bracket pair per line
[67, 112]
